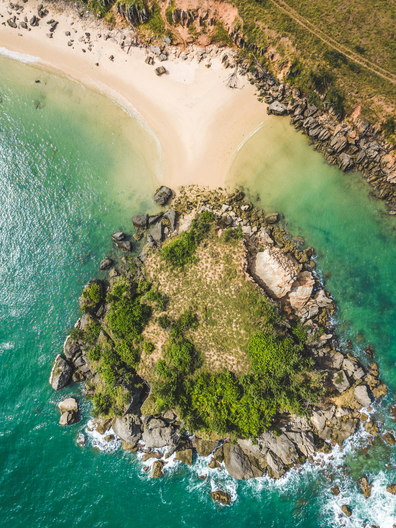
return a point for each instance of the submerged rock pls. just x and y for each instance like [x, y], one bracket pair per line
[156, 471]
[389, 438]
[221, 496]
[105, 264]
[61, 373]
[162, 194]
[125, 245]
[365, 487]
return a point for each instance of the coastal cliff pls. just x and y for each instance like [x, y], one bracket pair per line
[219, 329]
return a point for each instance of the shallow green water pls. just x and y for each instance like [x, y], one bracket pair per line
[73, 168]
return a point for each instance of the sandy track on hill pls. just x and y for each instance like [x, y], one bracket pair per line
[306, 24]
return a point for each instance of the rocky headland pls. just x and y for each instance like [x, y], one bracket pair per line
[219, 299]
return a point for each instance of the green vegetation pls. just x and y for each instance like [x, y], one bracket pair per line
[155, 23]
[299, 51]
[220, 36]
[181, 251]
[222, 354]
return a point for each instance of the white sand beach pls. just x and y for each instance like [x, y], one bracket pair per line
[198, 120]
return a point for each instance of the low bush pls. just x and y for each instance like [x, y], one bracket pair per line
[181, 251]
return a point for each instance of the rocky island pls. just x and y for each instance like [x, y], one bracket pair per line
[216, 339]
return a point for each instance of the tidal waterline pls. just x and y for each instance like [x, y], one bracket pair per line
[73, 168]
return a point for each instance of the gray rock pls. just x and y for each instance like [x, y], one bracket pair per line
[125, 245]
[158, 434]
[205, 447]
[303, 440]
[69, 410]
[140, 221]
[128, 428]
[61, 373]
[362, 395]
[277, 108]
[157, 232]
[238, 464]
[71, 348]
[281, 446]
[271, 218]
[105, 264]
[162, 194]
[153, 219]
[345, 162]
[118, 236]
[321, 299]
[340, 381]
[160, 71]
[68, 418]
[275, 464]
[171, 215]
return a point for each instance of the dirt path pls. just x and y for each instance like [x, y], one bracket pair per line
[171, 28]
[283, 6]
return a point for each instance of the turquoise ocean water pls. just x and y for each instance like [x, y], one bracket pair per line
[73, 168]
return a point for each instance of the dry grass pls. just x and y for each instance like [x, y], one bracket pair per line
[217, 289]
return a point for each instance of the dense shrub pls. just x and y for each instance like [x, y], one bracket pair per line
[92, 294]
[232, 234]
[156, 297]
[128, 354]
[91, 333]
[272, 355]
[127, 318]
[181, 251]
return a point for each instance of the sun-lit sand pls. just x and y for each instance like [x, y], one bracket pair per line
[198, 120]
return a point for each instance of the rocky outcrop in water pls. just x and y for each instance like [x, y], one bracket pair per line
[285, 269]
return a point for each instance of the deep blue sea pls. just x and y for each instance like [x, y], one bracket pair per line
[74, 167]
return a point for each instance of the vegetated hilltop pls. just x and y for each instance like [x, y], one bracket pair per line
[220, 328]
[205, 337]
[340, 53]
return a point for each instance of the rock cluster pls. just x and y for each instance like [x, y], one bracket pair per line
[352, 145]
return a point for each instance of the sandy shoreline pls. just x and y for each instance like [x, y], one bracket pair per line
[199, 122]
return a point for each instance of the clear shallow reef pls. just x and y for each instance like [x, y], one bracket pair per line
[73, 168]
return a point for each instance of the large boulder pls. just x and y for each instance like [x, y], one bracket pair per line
[140, 221]
[340, 381]
[61, 373]
[162, 195]
[277, 108]
[158, 434]
[362, 395]
[105, 264]
[304, 440]
[205, 447]
[301, 290]
[157, 232]
[128, 428]
[280, 445]
[71, 348]
[69, 410]
[275, 270]
[171, 215]
[125, 245]
[237, 463]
